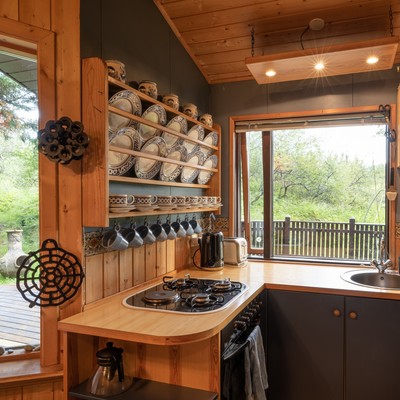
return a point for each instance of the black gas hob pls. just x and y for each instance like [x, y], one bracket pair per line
[187, 295]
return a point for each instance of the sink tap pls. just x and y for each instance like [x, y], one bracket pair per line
[382, 265]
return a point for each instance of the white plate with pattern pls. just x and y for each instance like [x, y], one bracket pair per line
[189, 174]
[169, 172]
[121, 163]
[195, 132]
[211, 139]
[178, 124]
[147, 168]
[205, 176]
[155, 114]
[124, 100]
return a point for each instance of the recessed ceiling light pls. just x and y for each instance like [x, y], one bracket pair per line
[372, 60]
[270, 73]
[319, 66]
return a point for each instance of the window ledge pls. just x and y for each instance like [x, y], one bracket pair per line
[27, 371]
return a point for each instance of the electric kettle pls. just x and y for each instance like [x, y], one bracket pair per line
[109, 378]
[211, 251]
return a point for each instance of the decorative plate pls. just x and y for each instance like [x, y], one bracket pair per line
[156, 114]
[188, 174]
[204, 176]
[127, 101]
[146, 168]
[178, 124]
[169, 172]
[211, 139]
[121, 163]
[195, 132]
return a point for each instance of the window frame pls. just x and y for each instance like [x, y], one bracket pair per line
[21, 37]
[234, 214]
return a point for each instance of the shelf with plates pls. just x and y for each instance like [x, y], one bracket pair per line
[97, 90]
[156, 212]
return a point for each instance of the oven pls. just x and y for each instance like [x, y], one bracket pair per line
[234, 340]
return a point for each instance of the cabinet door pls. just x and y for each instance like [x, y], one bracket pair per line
[304, 346]
[372, 349]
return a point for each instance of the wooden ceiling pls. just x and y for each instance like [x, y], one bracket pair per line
[217, 33]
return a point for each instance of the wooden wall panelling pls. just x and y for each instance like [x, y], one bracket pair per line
[93, 278]
[170, 249]
[139, 272]
[40, 391]
[182, 253]
[9, 9]
[13, 393]
[35, 12]
[151, 261]
[161, 266]
[111, 273]
[125, 269]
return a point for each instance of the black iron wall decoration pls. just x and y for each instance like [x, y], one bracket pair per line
[49, 276]
[63, 140]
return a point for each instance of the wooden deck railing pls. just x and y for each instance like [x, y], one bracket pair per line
[333, 240]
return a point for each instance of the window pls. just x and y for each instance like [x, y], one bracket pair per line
[314, 188]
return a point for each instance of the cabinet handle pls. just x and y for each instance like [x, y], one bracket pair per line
[336, 312]
[353, 315]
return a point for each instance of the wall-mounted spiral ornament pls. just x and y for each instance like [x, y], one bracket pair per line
[63, 140]
[49, 276]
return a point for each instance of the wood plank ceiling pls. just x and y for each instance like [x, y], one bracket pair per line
[217, 33]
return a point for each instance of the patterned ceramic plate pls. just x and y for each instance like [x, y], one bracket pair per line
[195, 132]
[189, 174]
[178, 124]
[211, 139]
[169, 172]
[121, 163]
[156, 114]
[127, 101]
[204, 176]
[146, 168]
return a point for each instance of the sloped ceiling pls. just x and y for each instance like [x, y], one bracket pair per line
[217, 33]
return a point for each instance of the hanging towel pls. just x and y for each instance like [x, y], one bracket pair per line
[256, 379]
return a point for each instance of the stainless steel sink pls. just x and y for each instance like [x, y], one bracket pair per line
[373, 279]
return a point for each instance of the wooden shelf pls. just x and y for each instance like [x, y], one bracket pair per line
[96, 89]
[135, 213]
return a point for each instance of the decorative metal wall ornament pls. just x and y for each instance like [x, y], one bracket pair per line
[49, 276]
[63, 140]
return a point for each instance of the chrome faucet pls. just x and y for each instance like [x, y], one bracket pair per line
[381, 264]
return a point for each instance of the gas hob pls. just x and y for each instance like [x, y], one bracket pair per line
[187, 295]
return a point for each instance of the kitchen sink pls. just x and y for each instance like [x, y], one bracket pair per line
[373, 279]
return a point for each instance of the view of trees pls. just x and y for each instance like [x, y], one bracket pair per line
[313, 184]
[18, 164]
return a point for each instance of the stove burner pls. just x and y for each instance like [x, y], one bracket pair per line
[180, 283]
[225, 285]
[202, 299]
[160, 297]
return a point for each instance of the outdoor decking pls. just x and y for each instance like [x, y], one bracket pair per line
[19, 324]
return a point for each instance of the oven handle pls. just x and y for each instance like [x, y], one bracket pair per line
[227, 355]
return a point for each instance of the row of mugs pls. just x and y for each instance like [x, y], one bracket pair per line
[149, 200]
[119, 238]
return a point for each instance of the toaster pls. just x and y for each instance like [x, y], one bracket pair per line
[235, 251]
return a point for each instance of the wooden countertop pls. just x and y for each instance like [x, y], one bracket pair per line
[109, 318]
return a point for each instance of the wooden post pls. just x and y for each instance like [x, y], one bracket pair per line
[352, 224]
[286, 235]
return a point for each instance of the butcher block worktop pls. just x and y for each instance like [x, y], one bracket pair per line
[109, 318]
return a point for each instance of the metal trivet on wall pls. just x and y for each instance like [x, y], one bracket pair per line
[49, 276]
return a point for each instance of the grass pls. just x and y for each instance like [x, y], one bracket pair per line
[7, 281]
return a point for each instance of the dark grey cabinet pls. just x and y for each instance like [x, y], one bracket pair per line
[331, 347]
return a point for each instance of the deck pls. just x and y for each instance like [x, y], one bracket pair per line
[19, 324]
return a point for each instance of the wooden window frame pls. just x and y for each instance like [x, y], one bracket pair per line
[21, 37]
[233, 179]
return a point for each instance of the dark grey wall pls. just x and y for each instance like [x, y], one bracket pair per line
[245, 98]
[135, 33]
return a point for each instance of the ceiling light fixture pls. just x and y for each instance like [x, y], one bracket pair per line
[338, 59]
[372, 60]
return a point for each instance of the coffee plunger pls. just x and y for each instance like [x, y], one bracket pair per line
[109, 378]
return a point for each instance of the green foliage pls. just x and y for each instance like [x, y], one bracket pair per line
[19, 199]
[313, 184]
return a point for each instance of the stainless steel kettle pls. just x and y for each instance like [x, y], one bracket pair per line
[109, 378]
[211, 251]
